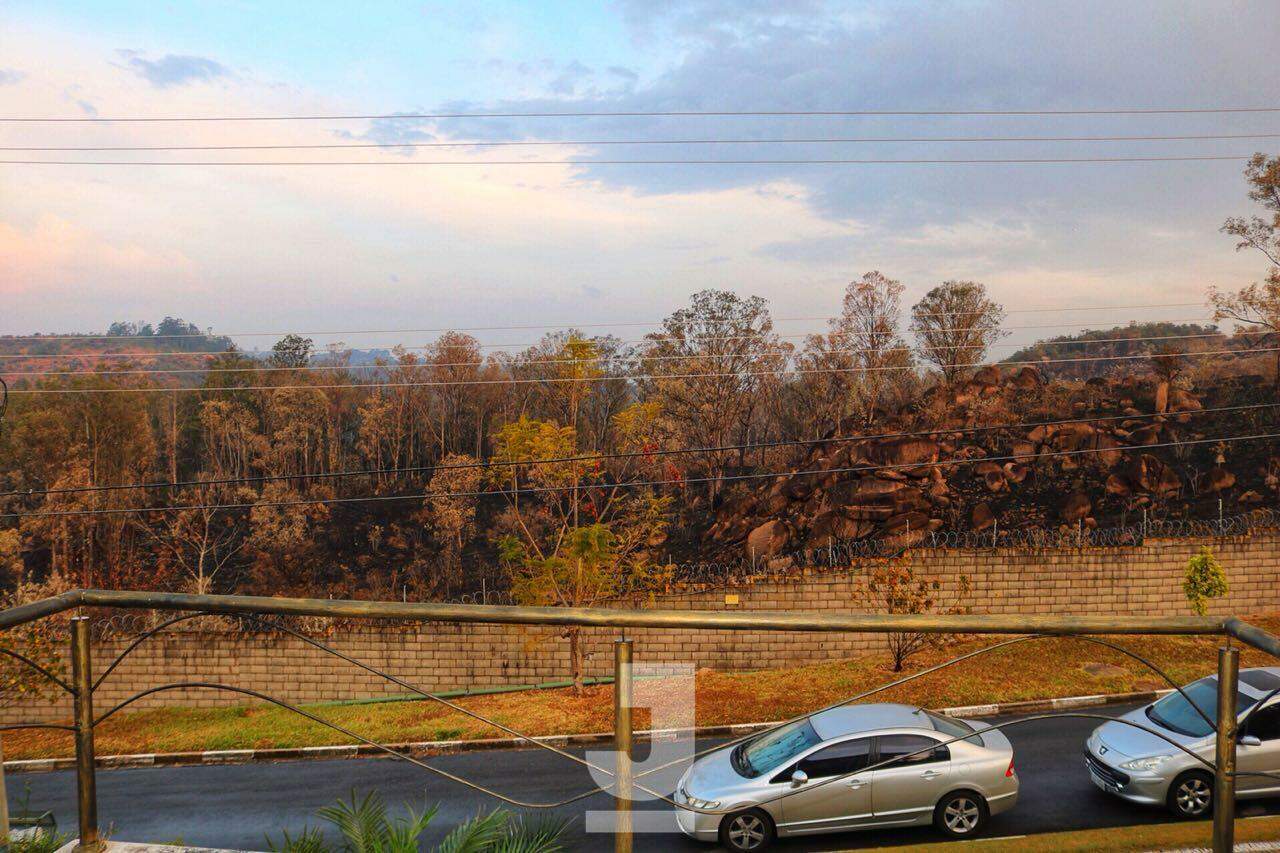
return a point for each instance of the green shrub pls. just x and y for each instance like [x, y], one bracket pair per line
[1204, 579]
[365, 827]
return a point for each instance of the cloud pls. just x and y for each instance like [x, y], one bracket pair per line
[56, 253]
[174, 69]
[10, 76]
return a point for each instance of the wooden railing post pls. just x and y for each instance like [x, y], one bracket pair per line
[4, 807]
[86, 779]
[1224, 775]
[622, 735]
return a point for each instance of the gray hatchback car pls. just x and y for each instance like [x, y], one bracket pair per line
[1144, 768]
[803, 779]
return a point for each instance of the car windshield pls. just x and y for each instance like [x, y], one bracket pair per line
[952, 727]
[759, 756]
[1175, 713]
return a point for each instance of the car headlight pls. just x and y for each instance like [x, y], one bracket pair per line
[700, 804]
[1149, 763]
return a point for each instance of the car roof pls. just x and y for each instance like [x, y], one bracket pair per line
[1259, 680]
[1255, 682]
[850, 719]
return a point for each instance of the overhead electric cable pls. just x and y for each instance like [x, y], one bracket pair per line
[636, 484]
[961, 161]
[490, 143]
[630, 454]
[485, 114]
[631, 377]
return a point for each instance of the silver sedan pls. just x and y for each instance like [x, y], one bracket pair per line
[804, 779]
[1144, 768]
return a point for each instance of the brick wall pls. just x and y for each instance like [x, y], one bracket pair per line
[1144, 580]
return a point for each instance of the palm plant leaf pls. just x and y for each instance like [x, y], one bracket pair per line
[403, 836]
[540, 836]
[363, 824]
[477, 835]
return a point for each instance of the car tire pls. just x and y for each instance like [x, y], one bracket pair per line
[748, 831]
[961, 814]
[1191, 795]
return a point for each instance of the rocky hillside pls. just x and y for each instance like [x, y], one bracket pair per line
[1118, 456]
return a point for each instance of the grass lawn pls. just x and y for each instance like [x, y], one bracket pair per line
[1163, 836]
[1034, 670]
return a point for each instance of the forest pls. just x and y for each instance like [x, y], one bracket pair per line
[588, 466]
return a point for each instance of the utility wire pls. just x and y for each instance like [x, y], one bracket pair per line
[638, 484]
[654, 338]
[557, 326]
[436, 365]
[964, 161]
[485, 143]
[632, 377]
[631, 454]
[404, 116]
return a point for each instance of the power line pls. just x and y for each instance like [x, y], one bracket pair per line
[436, 365]
[637, 484]
[407, 116]
[655, 337]
[606, 377]
[636, 454]
[485, 143]
[556, 326]
[962, 161]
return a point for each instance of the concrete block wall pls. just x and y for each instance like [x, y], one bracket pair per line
[1143, 580]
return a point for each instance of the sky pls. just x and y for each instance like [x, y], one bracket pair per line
[346, 249]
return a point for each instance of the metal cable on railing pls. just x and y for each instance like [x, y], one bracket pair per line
[624, 781]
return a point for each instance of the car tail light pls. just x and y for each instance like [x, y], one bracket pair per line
[1010, 773]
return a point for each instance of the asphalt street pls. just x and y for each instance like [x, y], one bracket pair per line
[240, 805]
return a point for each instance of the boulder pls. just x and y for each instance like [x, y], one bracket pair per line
[875, 489]
[1076, 507]
[987, 377]
[1118, 486]
[1015, 473]
[1027, 379]
[1219, 479]
[982, 516]
[768, 539]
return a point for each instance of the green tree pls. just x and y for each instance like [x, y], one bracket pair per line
[1203, 580]
[292, 351]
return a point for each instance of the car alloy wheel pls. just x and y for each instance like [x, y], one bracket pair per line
[1193, 796]
[747, 832]
[962, 815]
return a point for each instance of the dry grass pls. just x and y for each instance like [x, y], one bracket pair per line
[1164, 836]
[1033, 670]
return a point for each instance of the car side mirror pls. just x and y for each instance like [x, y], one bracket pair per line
[799, 778]
[1250, 740]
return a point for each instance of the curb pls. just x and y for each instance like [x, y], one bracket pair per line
[422, 749]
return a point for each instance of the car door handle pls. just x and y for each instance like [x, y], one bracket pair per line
[930, 774]
[856, 783]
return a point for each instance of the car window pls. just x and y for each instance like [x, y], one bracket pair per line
[770, 749]
[1265, 723]
[1174, 712]
[912, 749]
[850, 756]
[953, 728]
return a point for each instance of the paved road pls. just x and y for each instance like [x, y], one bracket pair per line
[236, 806]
